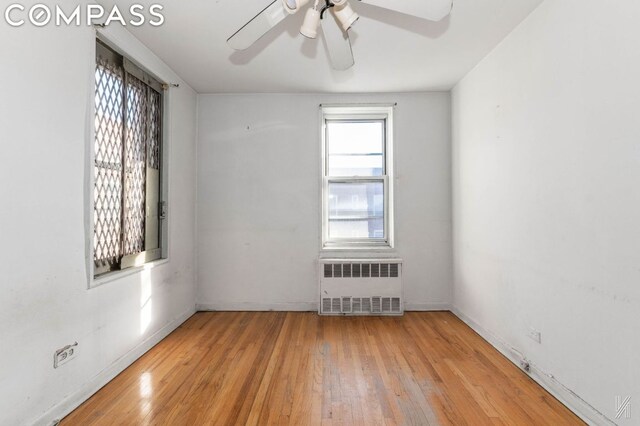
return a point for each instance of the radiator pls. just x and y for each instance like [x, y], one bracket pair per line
[361, 287]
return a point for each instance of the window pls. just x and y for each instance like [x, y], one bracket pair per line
[357, 171]
[128, 212]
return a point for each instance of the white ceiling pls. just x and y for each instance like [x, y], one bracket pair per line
[393, 52]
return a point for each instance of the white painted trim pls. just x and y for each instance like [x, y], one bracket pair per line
[73, 401]
[569, 398]
[427, 307]
[383, 112]
[300, 307]
[118, 275]
[257, 307]
[323, 260]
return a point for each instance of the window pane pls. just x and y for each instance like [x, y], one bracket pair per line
[355, 148]
[356, 210]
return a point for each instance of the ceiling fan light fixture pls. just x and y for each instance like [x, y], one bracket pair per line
[311, 22]
[345, 14]
[335, 31]
[292, 6]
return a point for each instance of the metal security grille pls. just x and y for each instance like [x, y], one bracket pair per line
[155, 130]
[108, 169]
[128, 144]
[135, 166]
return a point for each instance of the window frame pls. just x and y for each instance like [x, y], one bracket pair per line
[359, 113]
[133, 263]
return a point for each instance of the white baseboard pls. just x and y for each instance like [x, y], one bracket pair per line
[426, 307]
[73, 401]
[300, 307]
[258, 307]
[579, 406]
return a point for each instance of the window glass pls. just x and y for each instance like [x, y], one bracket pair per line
[356, 210]
[355, 148]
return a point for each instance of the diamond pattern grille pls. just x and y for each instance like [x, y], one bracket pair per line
[154, 129]
[108, 163]
[136, 166]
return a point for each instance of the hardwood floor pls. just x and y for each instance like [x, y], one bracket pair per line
[299, 369]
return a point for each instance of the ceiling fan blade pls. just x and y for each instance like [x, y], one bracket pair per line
[337, 43]
[251, 32]
[433, 10]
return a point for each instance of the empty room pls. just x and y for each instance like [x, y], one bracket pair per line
[320, 212]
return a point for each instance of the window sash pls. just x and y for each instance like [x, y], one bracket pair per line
[355, 241]
[354, 119]
[358, 113]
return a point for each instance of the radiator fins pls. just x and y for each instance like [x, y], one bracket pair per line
[326, 305]
[337, 271]
[361, 270]
[328, 270]
[393, 270]
[335, 305]
[366, 305]
[346, 305]
[361, 305]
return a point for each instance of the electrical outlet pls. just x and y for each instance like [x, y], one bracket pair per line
[64, 355]
[535, 335]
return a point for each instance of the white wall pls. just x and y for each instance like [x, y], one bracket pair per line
[45, 114]
[259, 198]
[546, 201]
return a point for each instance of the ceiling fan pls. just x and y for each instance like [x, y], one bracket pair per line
[335, 30]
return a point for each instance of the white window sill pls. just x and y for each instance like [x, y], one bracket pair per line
[118, 275]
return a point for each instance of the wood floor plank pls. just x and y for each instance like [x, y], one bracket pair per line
[274, 368]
